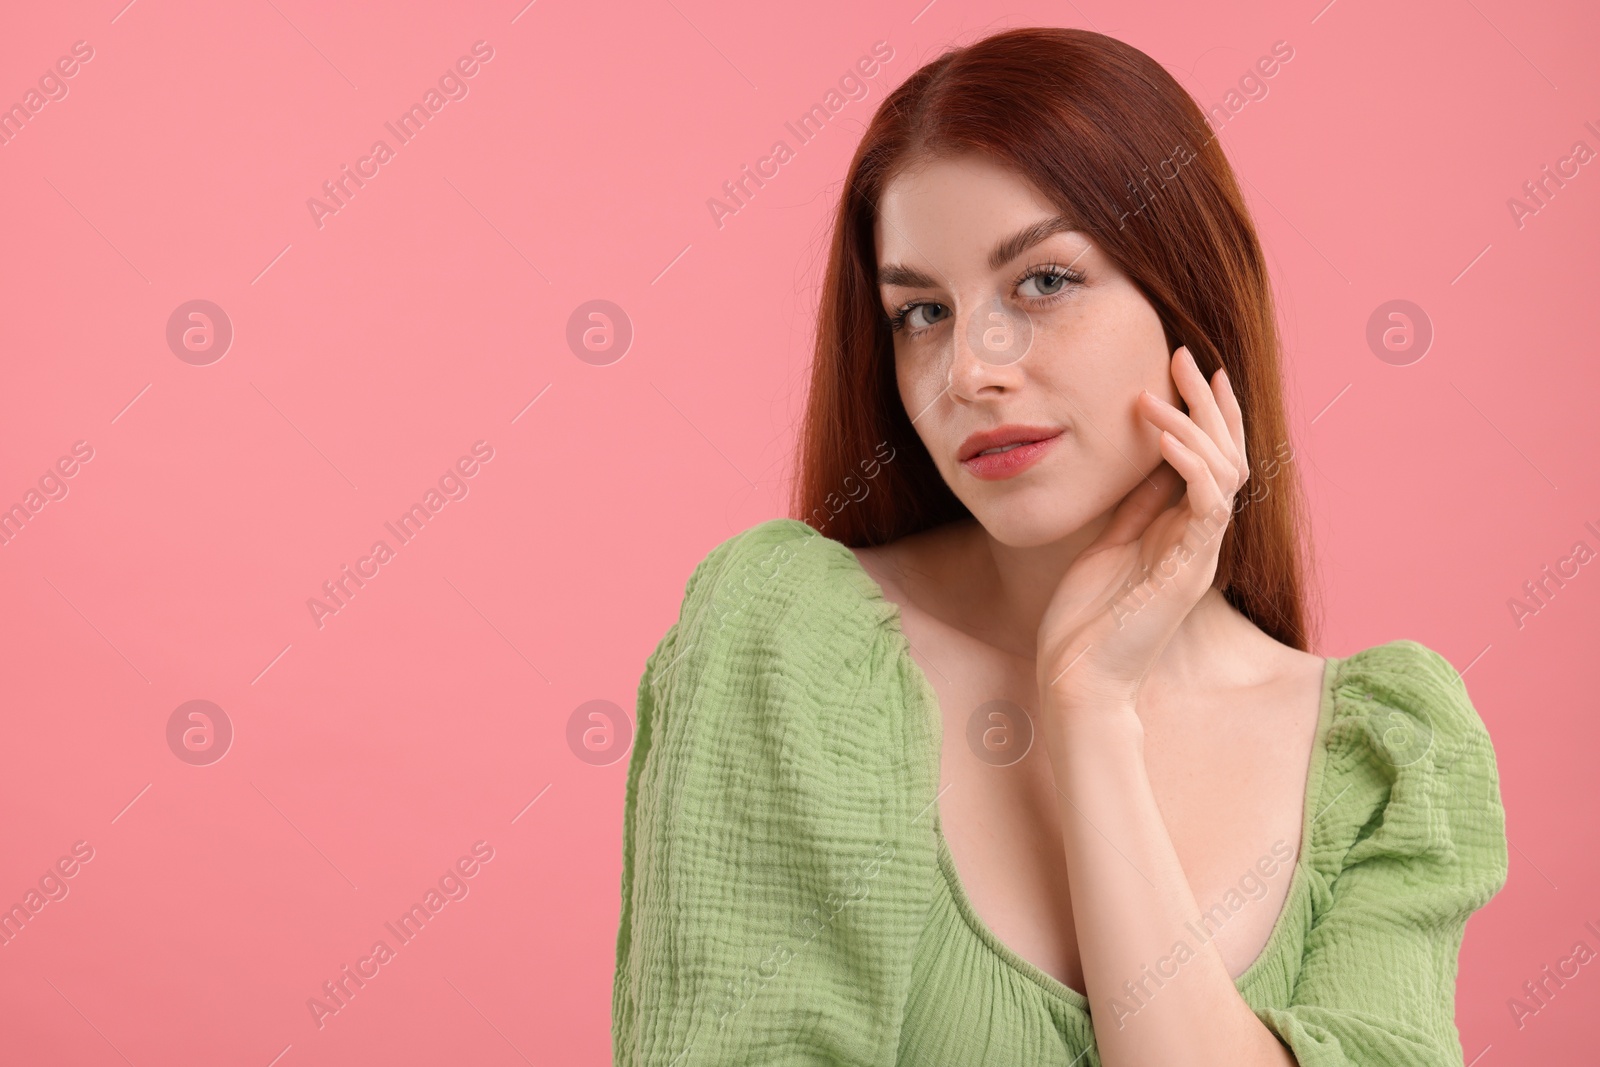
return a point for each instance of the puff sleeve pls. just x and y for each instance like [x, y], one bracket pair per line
[1413, 843]
[775, 870]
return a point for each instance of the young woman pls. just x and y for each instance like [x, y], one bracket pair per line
[1012, 749]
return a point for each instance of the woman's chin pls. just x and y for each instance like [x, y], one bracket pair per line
[1029, 519]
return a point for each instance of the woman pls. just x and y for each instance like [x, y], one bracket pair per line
[1013, 751]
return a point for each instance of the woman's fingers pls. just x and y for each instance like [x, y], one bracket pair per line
[1222, 388]
[1205, 497]
[1168, 418]
[1202, 402]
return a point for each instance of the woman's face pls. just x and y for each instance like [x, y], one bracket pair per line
[1012, 320]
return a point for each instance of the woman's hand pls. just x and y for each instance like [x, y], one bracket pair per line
[1124, 597]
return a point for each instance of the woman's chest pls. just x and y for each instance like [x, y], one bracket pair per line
[1230, 792]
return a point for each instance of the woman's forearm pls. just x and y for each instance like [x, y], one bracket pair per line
[1152, 1001]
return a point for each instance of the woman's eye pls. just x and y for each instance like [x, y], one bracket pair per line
[1049, 283]
[1046, 283]
[921, 316]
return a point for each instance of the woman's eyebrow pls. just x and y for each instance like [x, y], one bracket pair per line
[1007, 249]
[1026, 238]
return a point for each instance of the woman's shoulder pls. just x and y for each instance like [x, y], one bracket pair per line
[1409, 772]
[1409, 703]
[784, 648]
[780, 577]
[780, 610]
[777, 794]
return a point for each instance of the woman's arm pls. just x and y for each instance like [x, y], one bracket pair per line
[1130, 903]
[1414, 836]
[1130, 897]
[1411, 843]
[776, 874]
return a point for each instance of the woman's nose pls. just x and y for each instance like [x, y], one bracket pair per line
[989, 340]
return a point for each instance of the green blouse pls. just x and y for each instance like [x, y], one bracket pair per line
[788, 896]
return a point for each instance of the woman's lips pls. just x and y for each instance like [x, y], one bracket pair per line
[1008, 464]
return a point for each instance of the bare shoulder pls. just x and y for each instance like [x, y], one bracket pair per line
[1247, 683]
[1287, 685]
[1302, 670]
[912, 569]
[877, 561]
[1249, 658]
[1290, 664]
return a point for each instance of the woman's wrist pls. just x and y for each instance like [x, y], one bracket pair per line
[1089, 698]
[1100, 725]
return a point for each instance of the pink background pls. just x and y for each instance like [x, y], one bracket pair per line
[431, 311]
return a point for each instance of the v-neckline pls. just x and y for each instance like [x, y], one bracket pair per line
[933, 719]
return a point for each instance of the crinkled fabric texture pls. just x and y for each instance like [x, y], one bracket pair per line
[787, 898]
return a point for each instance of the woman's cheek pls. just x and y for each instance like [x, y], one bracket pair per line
[922, 370]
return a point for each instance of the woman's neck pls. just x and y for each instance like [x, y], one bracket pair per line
[999, 594]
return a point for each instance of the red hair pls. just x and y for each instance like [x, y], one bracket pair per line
[1122, 149]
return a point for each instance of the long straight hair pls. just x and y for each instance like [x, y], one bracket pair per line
[1122, 149]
